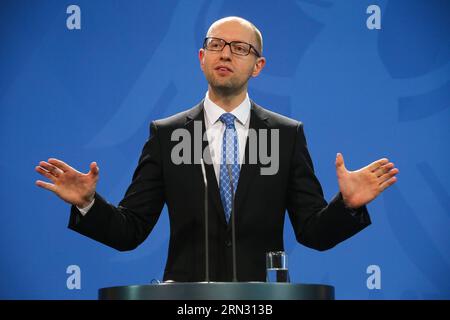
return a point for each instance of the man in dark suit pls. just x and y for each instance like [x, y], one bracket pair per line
[169, 173]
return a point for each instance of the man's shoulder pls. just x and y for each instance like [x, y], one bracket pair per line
[274, 119]
[271, 118]
[179, 119]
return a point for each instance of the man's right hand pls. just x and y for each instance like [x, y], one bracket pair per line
[69, 184]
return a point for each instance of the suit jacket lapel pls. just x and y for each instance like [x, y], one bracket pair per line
[197, 114]
[249, 170]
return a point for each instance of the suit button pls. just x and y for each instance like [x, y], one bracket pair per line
[228, 243]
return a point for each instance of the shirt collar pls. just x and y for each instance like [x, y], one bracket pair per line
[213, 111]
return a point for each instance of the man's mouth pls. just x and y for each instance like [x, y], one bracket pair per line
[223, 69]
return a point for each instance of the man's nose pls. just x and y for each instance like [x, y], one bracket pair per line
[226, 52]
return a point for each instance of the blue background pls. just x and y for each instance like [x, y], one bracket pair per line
[89, 95]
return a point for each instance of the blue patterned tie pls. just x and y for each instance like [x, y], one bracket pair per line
[230, 155]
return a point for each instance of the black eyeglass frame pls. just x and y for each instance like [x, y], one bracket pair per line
[257, 54]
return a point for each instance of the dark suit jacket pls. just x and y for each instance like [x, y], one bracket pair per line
[260, 205]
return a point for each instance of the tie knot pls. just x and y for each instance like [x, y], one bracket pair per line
[228, 120]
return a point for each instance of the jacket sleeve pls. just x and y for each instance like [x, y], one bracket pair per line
[126, 226]
[316, 223]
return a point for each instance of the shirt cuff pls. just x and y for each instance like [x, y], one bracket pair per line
[353, 211]
[85, 210]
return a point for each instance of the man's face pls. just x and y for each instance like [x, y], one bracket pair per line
[226, 72]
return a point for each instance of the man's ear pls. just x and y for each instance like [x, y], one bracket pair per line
[259, 65]
[201, 57]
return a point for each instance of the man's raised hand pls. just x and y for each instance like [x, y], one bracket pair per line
[72, 186]
[362, 186]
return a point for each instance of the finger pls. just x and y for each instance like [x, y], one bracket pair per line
[94, 169]
[383, 169]
[45, 173]
[388, 175]
[387, 183]
[46, 185]
[60, 164]
[51, 168]
[340, 161]
[376, 164]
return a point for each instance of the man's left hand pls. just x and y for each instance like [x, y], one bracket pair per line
[362, 186]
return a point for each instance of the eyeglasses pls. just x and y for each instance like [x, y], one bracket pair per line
[237, 47]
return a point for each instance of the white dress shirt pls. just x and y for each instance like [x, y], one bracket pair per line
[214, 132]
[215, 129]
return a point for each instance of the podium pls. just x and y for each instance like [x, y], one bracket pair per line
[219, 291]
